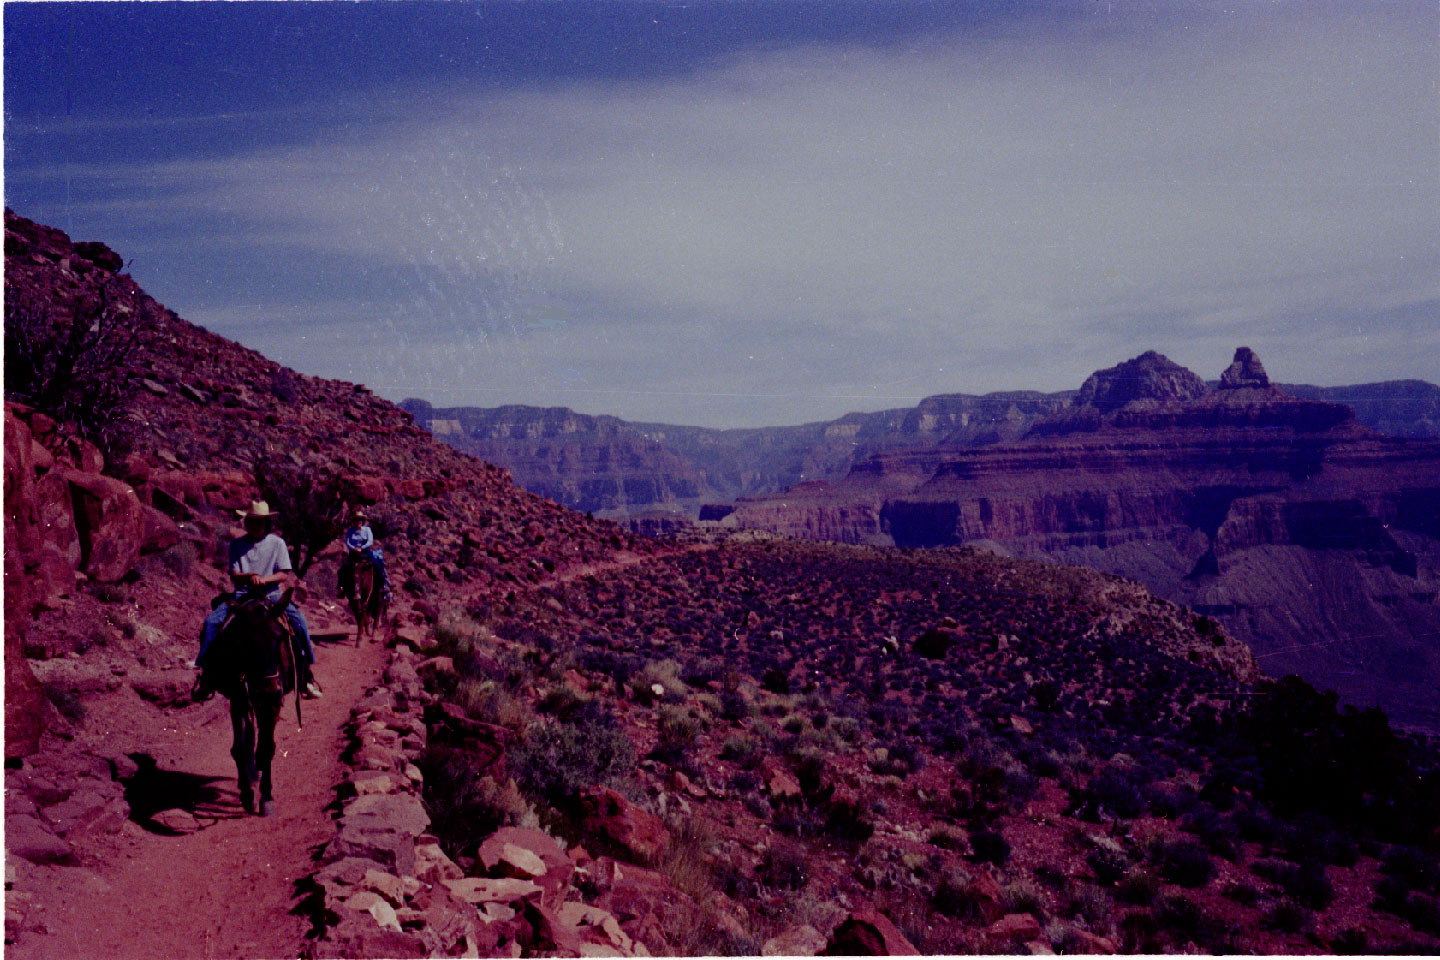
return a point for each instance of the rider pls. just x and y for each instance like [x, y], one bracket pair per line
[360, 545]
[257, 560]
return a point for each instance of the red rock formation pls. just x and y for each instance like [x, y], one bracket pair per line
[1218, 499]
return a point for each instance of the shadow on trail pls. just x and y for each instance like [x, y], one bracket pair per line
[152, 790]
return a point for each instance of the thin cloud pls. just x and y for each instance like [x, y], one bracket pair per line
[789, 231]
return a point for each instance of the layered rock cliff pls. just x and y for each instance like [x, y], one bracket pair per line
[1308, 535]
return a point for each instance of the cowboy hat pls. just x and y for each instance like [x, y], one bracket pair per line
[359, 514]
[259, 509]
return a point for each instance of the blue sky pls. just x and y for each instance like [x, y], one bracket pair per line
[734, 213]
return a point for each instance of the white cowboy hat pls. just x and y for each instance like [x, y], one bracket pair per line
[258, 509]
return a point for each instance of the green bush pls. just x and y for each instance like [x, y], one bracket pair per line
[557, 759]
[466, 804]
[783, 866]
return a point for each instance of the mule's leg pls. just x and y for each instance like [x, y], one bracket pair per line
[267, 713]
[243, 751]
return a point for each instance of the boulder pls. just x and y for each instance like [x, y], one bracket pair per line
[868, 933]
[608, 814]
[368, 901]
[488, 889]
[1013, 926]
[26, 708]
[92, 806]
[398, 813]
[26, 837]
[518, 851]
[55, 514]
[110, 522]
[1093, 944]
[357, 935]
[158, 531]
[801, 941]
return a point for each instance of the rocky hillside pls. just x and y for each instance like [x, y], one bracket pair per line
[1311, 537]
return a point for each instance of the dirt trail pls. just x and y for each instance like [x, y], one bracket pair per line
[228, 889]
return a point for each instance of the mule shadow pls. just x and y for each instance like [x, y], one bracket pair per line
[152, 790]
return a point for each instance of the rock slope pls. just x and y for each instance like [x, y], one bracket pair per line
[1309, 536]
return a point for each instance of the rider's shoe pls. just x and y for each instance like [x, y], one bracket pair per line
[203, 689]
[313, 691]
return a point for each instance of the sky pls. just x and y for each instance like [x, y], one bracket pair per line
[733, 213]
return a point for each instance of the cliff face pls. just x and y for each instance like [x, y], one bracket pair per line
[1236, 500]
[582, 462]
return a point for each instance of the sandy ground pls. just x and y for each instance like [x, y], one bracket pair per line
[229, 888]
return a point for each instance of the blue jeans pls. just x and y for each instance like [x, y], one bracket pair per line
[216, 620]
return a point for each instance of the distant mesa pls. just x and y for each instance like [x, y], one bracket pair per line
[1150, 376]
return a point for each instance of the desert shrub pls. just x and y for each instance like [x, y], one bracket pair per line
[311, 500]
[1287, 916]
[1139, 888]
[776, 681]
[1180, 915]
[1217, 833]
[1255, 826]
[1140, 933]
[899, 760]
[664, 674]
[948, 837]
[618, 666]
[1109, 866]
[1348, 765]
[465, 804]
[560, 700]
[1112, 792]
[783, 866]
[1305, 883]
[491, 702]
[1350, 942]
[1422, 912]
[180, 559]
[1184, 863]
[988, 846]
[69, 359]
[1023, 897]
[1094, 906]
[678, 734]
[742, 751]
[1412, 865]
[957, 897]
[733, 706]
[559, 758]
[1245, 894]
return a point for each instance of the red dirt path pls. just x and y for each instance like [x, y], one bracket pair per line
[228, 889]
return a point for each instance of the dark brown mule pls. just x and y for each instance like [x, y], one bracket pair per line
[367, 600]
[255, 663]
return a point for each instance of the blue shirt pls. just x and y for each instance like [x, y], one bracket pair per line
[359, 537]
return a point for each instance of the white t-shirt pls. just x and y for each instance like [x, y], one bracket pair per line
[261, 557]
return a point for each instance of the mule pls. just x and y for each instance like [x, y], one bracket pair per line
[255, 663]
[367, 600]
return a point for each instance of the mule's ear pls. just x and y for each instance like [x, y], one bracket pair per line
[279, 606]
